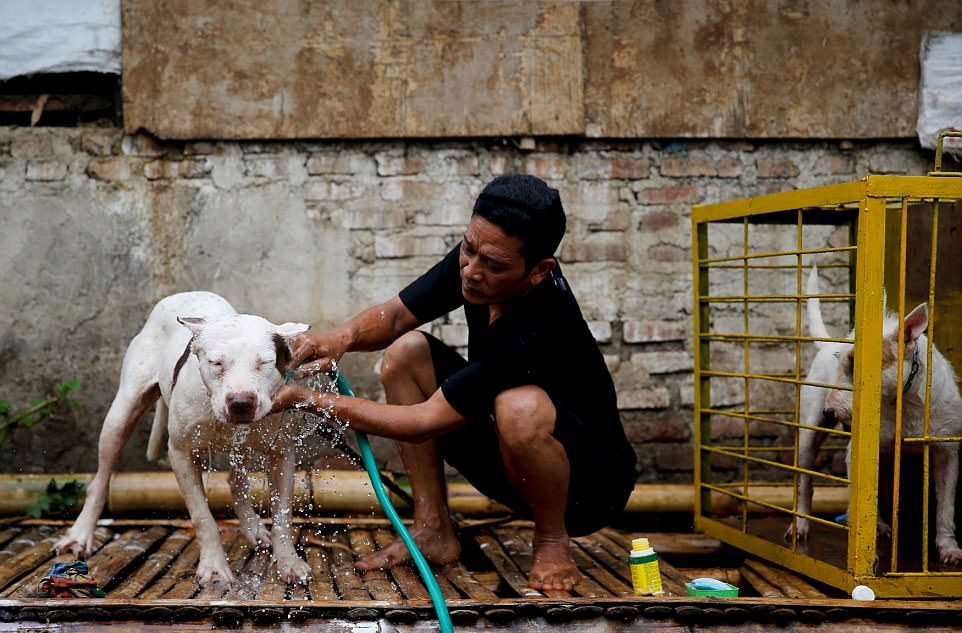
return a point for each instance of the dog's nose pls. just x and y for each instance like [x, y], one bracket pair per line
[829, 415]
[241, 404]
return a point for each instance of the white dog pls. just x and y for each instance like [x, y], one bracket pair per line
[214, 399]
[833, 364]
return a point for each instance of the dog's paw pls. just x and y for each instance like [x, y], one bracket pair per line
[800, 528]
[950, 555]
[216, 572]
[258, 536]
[293, 569]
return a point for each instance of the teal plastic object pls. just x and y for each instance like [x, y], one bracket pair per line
[367, 455]
[711, 587]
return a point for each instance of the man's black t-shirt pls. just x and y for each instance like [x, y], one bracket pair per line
[542, 340]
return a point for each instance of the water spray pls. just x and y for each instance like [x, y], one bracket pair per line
[367, 457]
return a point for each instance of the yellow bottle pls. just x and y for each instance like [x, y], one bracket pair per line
[645, 575]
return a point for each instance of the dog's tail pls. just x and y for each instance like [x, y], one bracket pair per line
[158, 432]
[816, 326]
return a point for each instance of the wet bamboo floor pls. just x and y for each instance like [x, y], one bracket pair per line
[147, 567]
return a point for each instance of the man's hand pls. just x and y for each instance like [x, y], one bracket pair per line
[289, 396]
[320, 349]
[303, 399]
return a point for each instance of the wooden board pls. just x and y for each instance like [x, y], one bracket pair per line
[280, 69]
[758, 68]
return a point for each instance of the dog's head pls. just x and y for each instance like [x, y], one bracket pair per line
[243, 359]
[838, 403]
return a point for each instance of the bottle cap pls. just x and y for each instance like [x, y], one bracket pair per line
[639, 544]
[862, 592]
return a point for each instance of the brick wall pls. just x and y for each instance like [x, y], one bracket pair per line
[97, 226]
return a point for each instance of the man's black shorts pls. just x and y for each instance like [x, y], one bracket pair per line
[595, 493]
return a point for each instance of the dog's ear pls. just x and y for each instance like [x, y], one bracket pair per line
[916, 322]
[194, 324]
[283, 337]
[288, 331]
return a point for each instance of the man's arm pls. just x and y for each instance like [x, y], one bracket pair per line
[372, 329]
[407, 423]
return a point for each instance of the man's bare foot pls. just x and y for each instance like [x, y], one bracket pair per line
[553, 567]
[438, 545]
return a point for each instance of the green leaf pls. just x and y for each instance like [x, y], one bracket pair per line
[57, 498]
[41, 409]
[41, 505]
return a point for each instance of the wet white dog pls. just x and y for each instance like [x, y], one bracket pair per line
[216, 373]
[833, 364]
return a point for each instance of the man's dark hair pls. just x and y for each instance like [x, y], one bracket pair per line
[526, 207]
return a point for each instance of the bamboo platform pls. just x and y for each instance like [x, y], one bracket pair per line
[147, 567]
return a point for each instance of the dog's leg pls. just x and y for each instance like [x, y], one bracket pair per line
[254, 532]
[212, 566]
[945, 462]
[136, 393]
[811, 402]
[809, 443]
[290, 566]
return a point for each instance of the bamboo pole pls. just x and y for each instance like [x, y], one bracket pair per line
[120, 553]
[764, 588]
[350, 491]
[346, 577]
[155, 564]
[28, 538]
[180, 571]
[462, 579]
[321, 585]
[601, 576]
[787, 582]
[727, 574]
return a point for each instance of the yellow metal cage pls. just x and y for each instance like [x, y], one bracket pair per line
[883, 239]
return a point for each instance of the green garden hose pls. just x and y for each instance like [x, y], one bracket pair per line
[367, 455]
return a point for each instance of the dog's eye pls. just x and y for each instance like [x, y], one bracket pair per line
[215, 363]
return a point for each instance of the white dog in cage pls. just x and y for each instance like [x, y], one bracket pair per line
[833, 364]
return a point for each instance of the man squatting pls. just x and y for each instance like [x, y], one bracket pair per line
[530, 418]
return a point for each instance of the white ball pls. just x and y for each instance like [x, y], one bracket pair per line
[863, 593]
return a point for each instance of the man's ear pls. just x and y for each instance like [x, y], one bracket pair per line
[541, 270]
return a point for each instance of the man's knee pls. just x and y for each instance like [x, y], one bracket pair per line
[407, 354]
[524, 415]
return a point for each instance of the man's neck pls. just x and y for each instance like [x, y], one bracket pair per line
[496, 310]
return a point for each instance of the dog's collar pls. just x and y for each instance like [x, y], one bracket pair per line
[180, 364]
[914, 371]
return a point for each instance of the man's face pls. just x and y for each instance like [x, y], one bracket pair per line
[492, 266]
